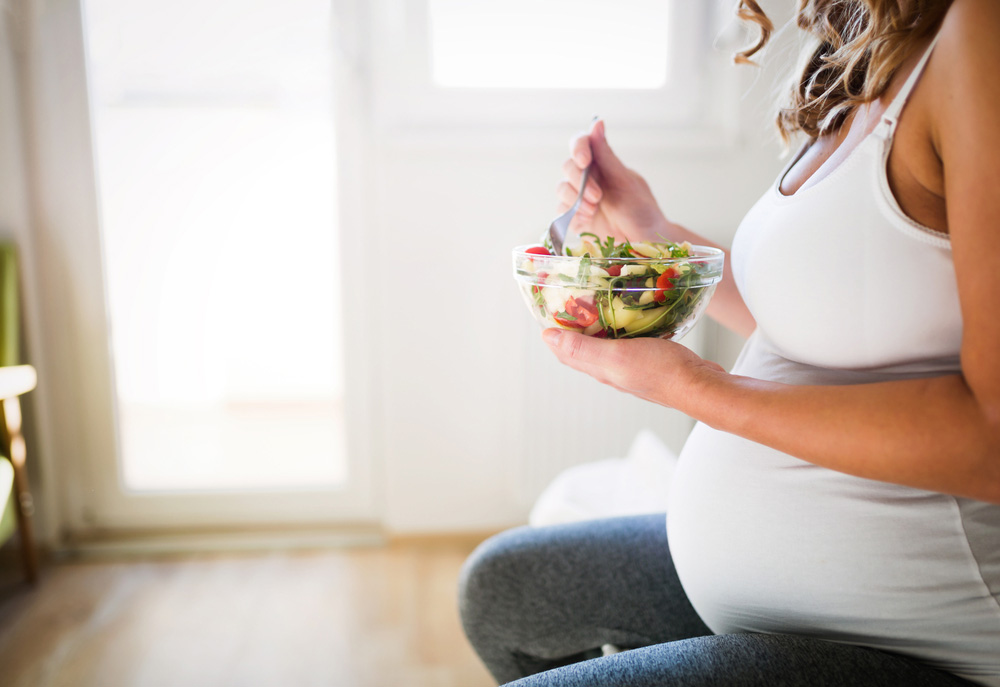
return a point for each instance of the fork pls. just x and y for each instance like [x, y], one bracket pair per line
[560, 225]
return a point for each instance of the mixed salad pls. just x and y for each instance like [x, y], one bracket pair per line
[618, 290]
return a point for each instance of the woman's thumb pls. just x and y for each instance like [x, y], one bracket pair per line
[606, 160]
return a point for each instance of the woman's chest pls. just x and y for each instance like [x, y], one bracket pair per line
[913, 169]
[836, 276]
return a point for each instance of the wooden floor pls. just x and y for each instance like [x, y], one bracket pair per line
[365, 617]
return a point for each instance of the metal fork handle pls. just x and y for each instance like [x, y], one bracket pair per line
[560, 225]
[583, 187]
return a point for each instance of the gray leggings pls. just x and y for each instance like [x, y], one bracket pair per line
[538, 603]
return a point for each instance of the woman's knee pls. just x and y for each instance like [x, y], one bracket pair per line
[490, 578]
[535, 577]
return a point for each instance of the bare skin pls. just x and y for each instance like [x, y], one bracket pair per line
[940, 434]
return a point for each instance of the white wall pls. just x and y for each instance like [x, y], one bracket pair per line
[467, 415]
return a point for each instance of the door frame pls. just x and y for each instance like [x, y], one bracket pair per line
[70, 344]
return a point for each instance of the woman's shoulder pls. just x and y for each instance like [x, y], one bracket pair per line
[962, 81]
[968, 53]
[973, 13]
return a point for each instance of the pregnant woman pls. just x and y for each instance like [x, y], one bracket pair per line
[835, 515]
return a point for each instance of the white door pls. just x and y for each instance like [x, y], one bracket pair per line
[206, 274]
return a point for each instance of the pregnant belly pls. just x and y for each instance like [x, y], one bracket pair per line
[764, 542]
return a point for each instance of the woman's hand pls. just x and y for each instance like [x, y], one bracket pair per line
[617, 201]
[654, 370]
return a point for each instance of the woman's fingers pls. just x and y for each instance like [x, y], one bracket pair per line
[574, 174]
[566, 196]
[597, 143]
[569, 187]
[600, 359]
[624, 364]
[579, 149]
[652, 369]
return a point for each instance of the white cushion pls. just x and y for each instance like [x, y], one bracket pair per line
[635, 484]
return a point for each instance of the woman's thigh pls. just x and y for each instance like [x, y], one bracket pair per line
[746, 660]
[535, 598]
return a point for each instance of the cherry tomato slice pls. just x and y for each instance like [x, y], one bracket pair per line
[664, 284]
[542, 276]
[583, 310]
[614, 270]
[572, 324]
[538, 250]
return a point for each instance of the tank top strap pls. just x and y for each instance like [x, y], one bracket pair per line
[891, 114]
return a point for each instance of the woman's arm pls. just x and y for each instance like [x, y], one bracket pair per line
[727, 306]
[940, 434]
[619, 203]
[928, 433]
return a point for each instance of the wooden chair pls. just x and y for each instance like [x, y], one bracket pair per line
[15, 380]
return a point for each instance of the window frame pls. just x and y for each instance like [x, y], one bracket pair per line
[695, 107]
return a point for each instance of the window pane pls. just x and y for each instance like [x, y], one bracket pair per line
[549, 43]
[215, 153]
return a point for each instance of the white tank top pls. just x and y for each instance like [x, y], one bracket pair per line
[845, 289]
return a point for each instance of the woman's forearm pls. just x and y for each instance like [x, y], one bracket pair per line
[926, 433]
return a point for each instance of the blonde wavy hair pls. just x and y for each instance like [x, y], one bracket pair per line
[856, 46]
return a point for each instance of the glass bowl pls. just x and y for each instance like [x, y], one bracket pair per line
[618, 298]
